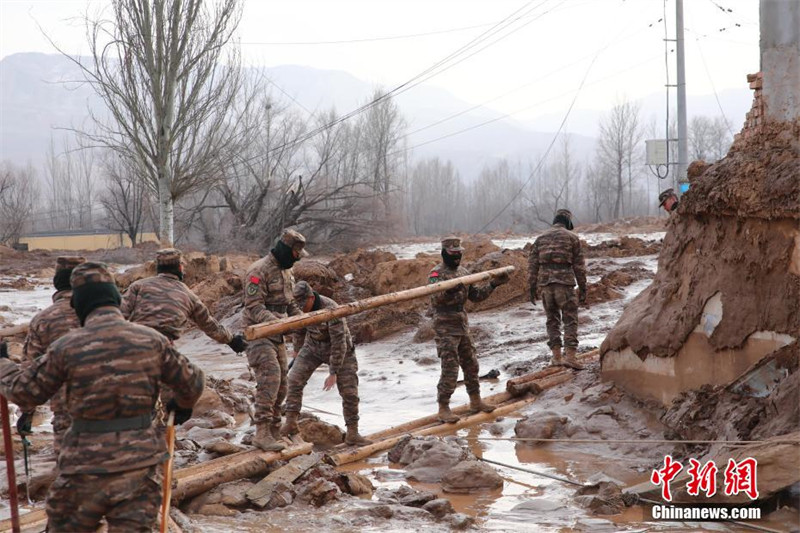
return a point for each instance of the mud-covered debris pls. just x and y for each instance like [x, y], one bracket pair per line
[320, 433]
[405, 495]
[204, 437]
[216, 509]
[396, 453]
[428, 458]
[604, 498]
[261, 494]
[223, 447]
[357, 484]
[461, 521]
[319, 492]
[471, 476]
[545, 425]
[440, 507]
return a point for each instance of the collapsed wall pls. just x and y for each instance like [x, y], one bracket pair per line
[727, 290]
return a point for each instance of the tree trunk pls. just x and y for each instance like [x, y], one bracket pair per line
[165, 212]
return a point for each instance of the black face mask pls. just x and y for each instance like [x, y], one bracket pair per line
[61, 280]
[175, 270]
[451, 260]
[317, 302]
[90, 296]
[283, 255]
[561, 219]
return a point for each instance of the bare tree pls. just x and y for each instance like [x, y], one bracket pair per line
[620, 134]
[69, 178]
[384, 127]
[18, 195]
[436, 198]
[709, 138]
[126, 199]
[157, 67]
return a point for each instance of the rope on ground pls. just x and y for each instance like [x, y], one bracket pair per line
[634, 441]
[306, 406]
[645, 500]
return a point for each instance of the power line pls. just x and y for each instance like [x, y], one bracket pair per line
[368, 39]
[424, 75]
[713, 87]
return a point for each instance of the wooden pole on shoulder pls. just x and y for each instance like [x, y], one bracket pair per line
[278, 327]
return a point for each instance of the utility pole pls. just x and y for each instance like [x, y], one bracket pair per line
[683, 139]
[780, 59]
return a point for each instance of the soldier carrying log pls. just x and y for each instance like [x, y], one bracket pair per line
[112, 371]
[453, 340]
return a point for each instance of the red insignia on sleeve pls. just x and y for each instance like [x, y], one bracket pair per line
[255, 279]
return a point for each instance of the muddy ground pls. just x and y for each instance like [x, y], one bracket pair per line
[398, 374]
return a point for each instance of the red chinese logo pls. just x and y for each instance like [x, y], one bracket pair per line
[741, 477]
[738, 477]
[665, 475]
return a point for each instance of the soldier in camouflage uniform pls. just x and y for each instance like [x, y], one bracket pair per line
[111, 370]
[268, 286]
[451, 328]
[328, 343]
[166, 304]
[554, 264]
[45, 328]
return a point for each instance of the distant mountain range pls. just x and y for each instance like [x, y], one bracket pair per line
[36, 98]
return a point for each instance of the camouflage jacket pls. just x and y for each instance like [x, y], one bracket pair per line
[50, 324]
[449, 315]
[331, 339]
[556, 257]
[165, 304]
[111, 369]
[268, 293]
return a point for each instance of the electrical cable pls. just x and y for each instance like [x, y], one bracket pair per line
[713, 87]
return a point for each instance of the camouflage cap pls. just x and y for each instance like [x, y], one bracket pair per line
[664, 196]
[294, 240]
[452, 245]
[90, 272]
[302, 290]
[565, 213]
[68, 262]
[168, 256]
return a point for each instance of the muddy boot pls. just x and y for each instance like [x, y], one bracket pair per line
[290, 427]
[354, 439]
[476, 405]
[275, 430]
[557, 359]
[569, 359]
[265, 440]
[446, 415]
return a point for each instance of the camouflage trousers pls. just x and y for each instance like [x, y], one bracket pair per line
[561, 305]
[456, 350]
[129, 501]
[311, 356]
[268, 360]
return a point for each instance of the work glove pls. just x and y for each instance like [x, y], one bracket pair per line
[3, 350]
[500, 279]
[24, 423]
[238, 344]
[533, 295]
[181, 414]
[582, 295]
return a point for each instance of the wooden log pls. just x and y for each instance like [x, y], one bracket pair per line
[32, 521]
[10, 331]
[517, 385]
[284, 325]
[204, 476]
[362, 453]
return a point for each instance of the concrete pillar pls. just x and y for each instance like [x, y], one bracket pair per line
[780, 58]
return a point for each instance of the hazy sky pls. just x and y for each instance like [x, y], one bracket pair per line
[532, 67]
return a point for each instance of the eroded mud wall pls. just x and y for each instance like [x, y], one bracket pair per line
[727, 291]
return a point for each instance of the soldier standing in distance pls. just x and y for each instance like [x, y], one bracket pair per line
[46, 327]
[453, 341]
[111, 370]
[166, 304]
[327, 343]
[268, 286]
[554, 264]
